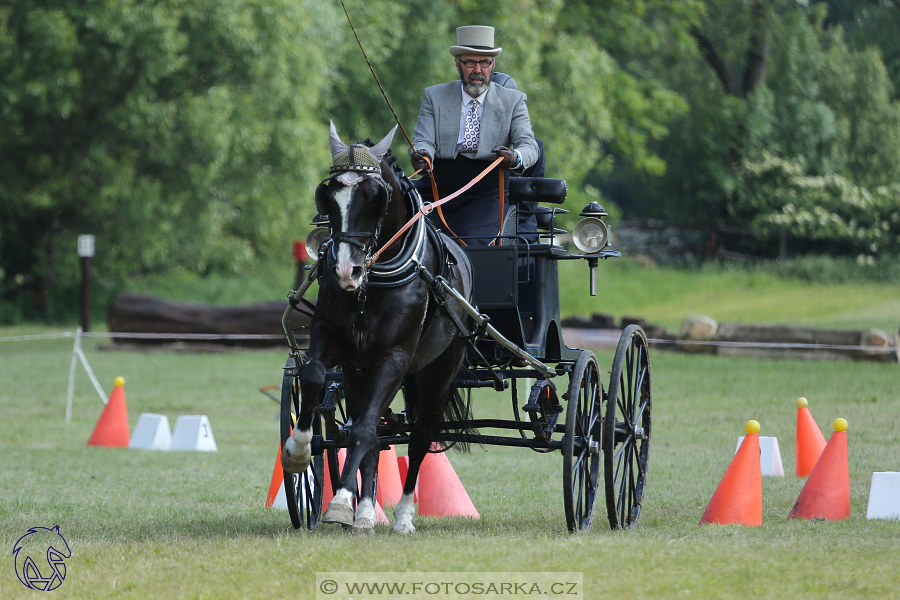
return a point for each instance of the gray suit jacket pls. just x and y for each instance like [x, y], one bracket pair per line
[504, 122]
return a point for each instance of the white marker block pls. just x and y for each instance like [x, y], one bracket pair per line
[769, 456]
[280, 500]
[151, 433]
[193, 432]
[884, 496]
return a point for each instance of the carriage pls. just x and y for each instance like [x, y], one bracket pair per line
[560, 399]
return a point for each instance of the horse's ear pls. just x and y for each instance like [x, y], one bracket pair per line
[337, 145]
[321, 200]
[380, 149]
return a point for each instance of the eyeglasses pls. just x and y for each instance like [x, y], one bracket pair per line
[470, 64]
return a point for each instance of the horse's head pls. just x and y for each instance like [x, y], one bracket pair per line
[355, 198]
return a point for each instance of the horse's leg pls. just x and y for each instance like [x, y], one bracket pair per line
[364, 519]
[296, 453]
[367, 394]
[432, 394]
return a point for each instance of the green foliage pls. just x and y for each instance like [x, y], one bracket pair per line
[827, 208]
[812, 150]
[189, 135]
[173, 131]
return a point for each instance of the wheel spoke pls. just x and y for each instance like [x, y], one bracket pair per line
[640, 414]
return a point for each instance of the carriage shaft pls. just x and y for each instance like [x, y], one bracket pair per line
[495, 335]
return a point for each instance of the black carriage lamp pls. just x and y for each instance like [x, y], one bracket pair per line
[591, 236]
[593, 210]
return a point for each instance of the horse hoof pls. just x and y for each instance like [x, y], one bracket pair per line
[296, 453]
[338, 513]
[405, 529]
[363, 531]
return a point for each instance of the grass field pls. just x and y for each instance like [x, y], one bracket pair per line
[192, 525]
[665, 296]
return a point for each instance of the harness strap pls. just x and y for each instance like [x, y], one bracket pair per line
[502, 173]
[427, 208]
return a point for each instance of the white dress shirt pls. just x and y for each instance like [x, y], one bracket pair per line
[466, 105]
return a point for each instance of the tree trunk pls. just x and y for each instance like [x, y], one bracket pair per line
[139, 313]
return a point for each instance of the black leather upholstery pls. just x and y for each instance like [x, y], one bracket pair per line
[537, 189]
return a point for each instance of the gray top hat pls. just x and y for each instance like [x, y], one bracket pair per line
[475, 39]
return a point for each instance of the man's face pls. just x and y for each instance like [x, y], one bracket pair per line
[476, 78]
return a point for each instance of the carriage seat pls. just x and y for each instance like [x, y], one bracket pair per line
[537, 189]
[527, 192]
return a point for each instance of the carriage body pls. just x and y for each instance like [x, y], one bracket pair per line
[602, 431]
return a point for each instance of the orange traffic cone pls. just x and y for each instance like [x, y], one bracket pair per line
[738, 499]
[111, 430]
[441, 493]
[390, 487]
[810, 441]
[826, 494]
[277, 480]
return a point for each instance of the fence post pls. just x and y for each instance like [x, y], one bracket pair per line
[86, 252]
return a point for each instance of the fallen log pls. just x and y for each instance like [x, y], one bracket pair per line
[702, 334]
[221, 325]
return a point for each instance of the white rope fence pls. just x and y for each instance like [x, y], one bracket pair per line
[778, 345]
[78, 353]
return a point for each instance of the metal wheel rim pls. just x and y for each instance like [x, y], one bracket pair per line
[581, 468]
[626, 435]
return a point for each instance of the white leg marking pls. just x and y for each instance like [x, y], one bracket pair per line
[365, 515]
[340, 509]
[296, 452]
[405, 511]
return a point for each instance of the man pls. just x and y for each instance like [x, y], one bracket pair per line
[463, 127]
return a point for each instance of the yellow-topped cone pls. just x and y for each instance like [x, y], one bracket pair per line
[738, 499]
[826, 494]
[112, 430]
[810, 441]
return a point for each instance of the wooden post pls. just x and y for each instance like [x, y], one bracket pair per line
[86, 252]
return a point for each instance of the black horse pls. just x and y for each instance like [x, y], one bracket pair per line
[381, 324]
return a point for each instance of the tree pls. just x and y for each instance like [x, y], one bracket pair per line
[174, 131]
[782, 111]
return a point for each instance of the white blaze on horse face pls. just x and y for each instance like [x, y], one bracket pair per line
[345, 265]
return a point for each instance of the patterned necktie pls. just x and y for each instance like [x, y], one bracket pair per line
[473, 127]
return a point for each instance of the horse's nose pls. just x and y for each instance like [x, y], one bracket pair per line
[348, 275]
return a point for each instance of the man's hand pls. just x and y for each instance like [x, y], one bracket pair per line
[509, 156]
[418, 162]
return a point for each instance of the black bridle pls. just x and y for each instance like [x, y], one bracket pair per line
[353, 237]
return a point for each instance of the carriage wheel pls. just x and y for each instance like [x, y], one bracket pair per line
[626, 433]
[303, 491]
[581, 456]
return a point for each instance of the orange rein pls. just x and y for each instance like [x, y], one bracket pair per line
[427, 208]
